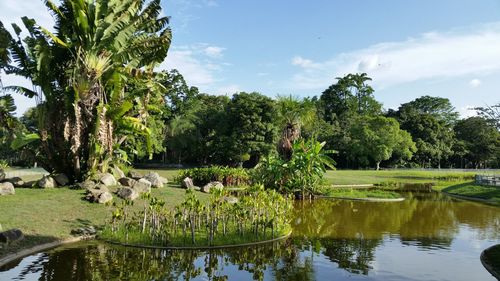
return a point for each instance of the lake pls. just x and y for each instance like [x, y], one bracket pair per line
[426, 237]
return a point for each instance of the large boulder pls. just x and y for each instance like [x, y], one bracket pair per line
[127, 193]
[102, 187]
[98, 196]
[61, 179]
[117, 172]
[154, 179]
[108, 179]
[214, 184]
[2, 174]
[47, 182]
[88, 184]
[127, 181]
[7, 188]
[142, 186]
[135, 175]
[16, 181]
[10, 236]
[187, 183]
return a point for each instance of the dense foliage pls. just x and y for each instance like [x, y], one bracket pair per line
[226, 175]
[257, 216]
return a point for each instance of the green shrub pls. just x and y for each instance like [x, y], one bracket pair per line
[3, 164]
[228, 176]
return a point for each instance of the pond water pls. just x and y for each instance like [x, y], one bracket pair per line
[426, 237]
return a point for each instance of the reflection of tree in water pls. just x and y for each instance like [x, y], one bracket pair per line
[108, 262]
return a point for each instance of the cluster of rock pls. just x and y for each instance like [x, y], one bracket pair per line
[8, 184]
[129, 188]
[187, 183]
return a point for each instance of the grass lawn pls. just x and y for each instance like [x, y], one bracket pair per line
[470, 189]
[362, 193]
[50, 214]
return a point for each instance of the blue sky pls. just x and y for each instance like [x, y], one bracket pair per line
[410, 48]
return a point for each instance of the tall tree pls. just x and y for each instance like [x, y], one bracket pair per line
[481, 140]
[80, 75]
[375, 139]
[490, 113]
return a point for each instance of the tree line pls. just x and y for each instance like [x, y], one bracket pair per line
[101, 102]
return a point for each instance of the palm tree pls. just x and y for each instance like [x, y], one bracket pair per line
[80, 74]
[293, 114]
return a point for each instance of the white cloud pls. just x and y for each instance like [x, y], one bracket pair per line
[467, 111]
[472, 51]
[198, 63]
[228, 90]
[474, 83]
[214, 51]
[304, 63]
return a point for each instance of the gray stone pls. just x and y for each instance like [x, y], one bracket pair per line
[127, 181]
[163, 180]
[154, 179]
[230, 199]
[7, 188]
[16, 181]
[47, 182]
[61, 179]
[88, 184]
[10, 236]
[135, 175]
[98, 196]
[108, 179]
[142, 186]
[102, 187]
[2, 174]
[84, 231]
[127, 193]
[187, 183]
[117, 172]
[214, 184]
[104, 197]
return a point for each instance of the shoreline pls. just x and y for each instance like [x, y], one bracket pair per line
[367, 199]
[41, 247]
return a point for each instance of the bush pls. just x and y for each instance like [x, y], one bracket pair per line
[228, 176]
[3, 164]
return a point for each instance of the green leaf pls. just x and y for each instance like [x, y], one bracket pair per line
[23, 139]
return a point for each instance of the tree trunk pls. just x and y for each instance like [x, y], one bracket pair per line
[378, 165]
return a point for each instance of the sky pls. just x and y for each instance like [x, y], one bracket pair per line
[446, 48]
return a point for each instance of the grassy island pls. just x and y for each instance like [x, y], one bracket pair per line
[223, 220]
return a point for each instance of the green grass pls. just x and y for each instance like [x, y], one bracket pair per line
[49, 215]
[469, 189]
[344, 177]
[362, 193]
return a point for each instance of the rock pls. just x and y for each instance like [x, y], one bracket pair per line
[135, 175]
[84, 231]
[88, 184]
[7, 188]
[47, 182]
[104, 197]
[30, 184]
[127, 181]
[102, 187]
[11, 235]
[127, 193]
[2, 174]
[230, 199]
[117, 172]
[154, 179]
[163, 180]
[142, 186]
[214, 184]
[187, 183]
[108, 179]
[61, 179]
[16, 181]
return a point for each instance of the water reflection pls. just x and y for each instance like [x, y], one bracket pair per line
[331, 239]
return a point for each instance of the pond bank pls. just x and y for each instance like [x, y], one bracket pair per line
[42, 247]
